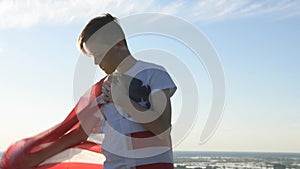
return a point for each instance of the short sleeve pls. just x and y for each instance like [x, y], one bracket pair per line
[161, 80]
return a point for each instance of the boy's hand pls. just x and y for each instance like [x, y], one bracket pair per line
[116, 90]
[106, 90]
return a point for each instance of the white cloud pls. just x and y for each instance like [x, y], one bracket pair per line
[214, 10]
[27, 13]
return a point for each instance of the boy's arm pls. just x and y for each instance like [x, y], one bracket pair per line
[159, 122]
[157, 119]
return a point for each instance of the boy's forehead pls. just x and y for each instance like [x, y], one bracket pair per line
[108, 35]
[92, 45]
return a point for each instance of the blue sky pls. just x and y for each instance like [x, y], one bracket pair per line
[257, 42]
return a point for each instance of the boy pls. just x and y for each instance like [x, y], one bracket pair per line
[137, 109]
[137, 131]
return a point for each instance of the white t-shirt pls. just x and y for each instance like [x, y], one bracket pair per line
[117, 144]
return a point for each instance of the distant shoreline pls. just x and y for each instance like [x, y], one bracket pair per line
[214, 151]
[262, 152]
[227, 159]
[227, 153]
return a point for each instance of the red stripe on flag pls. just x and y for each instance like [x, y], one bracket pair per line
[70, 166]
[156, 166]
[146, 139]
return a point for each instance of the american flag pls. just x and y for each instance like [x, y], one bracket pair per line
[86, 155]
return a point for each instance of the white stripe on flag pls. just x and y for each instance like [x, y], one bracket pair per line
[76, 155]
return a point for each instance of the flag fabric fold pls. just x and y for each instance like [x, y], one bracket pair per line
[86, 155]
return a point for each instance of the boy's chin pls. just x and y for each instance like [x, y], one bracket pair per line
[110, 71]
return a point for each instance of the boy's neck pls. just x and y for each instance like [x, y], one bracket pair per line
[126, 64]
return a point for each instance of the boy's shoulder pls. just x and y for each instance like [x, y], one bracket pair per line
[149, 65]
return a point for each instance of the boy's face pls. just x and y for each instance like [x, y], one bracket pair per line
[104, 54]
[96, 47]
[104, 46]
